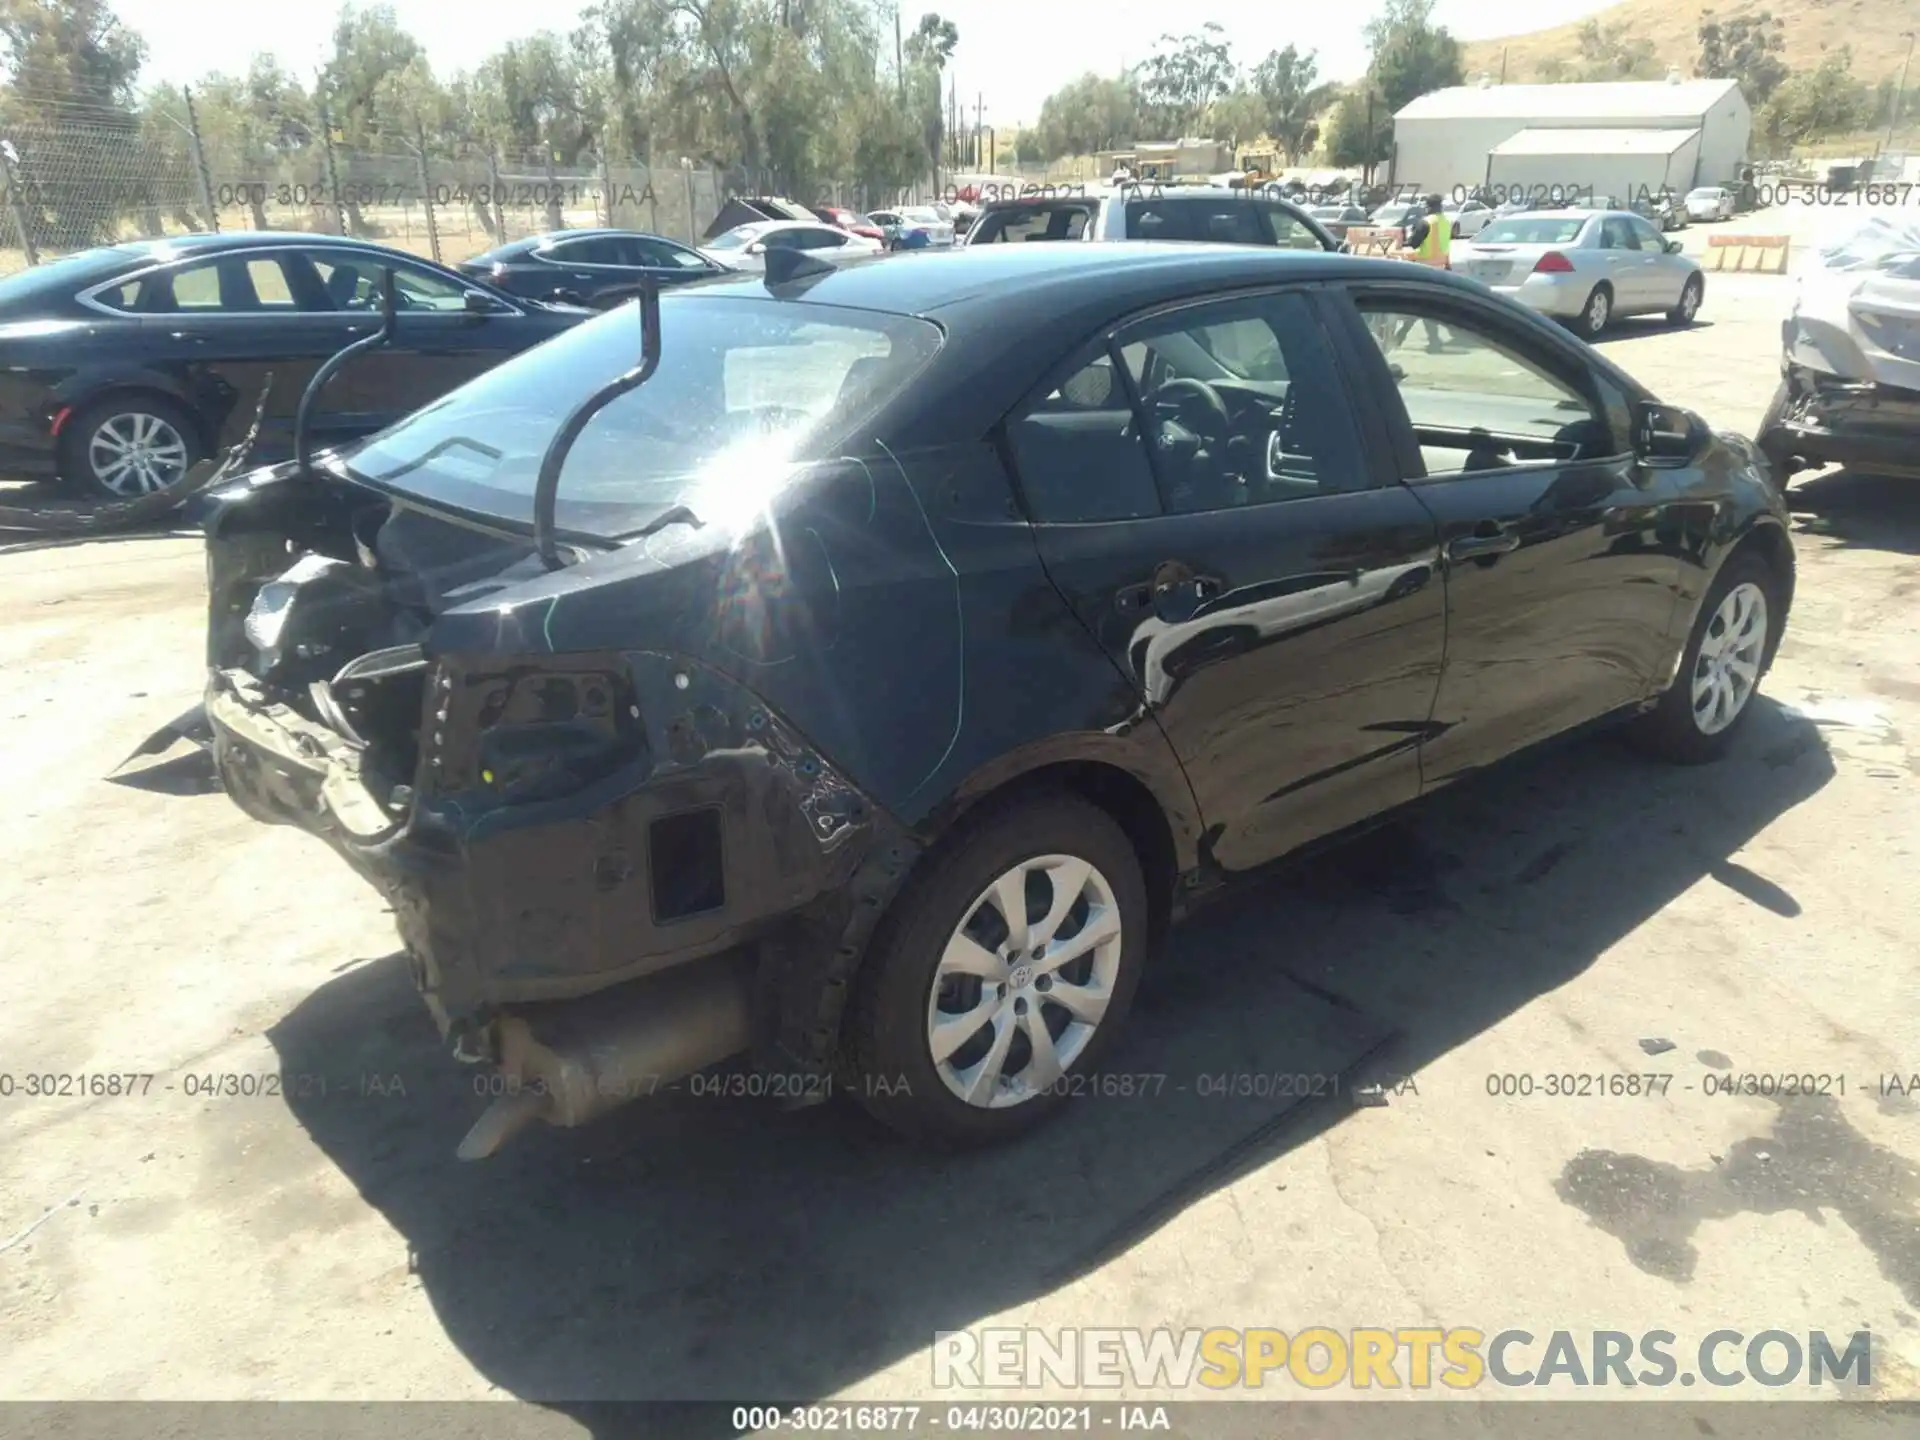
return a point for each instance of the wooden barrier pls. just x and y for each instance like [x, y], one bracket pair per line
[1367, 241]
[1747, 254]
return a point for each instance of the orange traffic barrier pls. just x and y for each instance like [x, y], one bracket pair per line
[1747, 254]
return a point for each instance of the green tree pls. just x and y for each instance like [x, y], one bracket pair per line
[252, 128]
[1815, 104]
[1411, 56]
[1086, 115]
[1350, 140]
[1604, 52]
[1237, 118]
[1746, 48]
[69, 52]
[1185, 75]
[1292, 99]
[69, 112]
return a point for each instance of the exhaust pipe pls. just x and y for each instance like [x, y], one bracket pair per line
[576, 1062]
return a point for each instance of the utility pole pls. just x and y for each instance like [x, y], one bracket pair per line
[979, 119]
[899, 56]
[1503, 64]
[1900, 90]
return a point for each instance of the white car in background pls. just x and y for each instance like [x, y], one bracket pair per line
[745, 246]
[1710, 202]
[1469, 217]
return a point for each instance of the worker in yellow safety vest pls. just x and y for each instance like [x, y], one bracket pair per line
[1430, 238]
[1428, 242]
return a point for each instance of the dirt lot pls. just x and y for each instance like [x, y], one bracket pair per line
[322, 1242]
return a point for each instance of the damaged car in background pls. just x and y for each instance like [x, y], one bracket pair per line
[856, 668]
[1849, 390]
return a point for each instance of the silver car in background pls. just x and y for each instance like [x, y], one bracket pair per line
[1585, 267]
[1710, 202]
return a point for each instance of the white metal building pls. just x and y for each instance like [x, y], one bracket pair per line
[1613, 138]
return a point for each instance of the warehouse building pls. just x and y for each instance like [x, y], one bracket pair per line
[1612, 139]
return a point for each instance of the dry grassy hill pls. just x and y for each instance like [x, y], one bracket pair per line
[1810, 29]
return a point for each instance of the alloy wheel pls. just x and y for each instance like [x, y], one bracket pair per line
[1024, 981]
[1598, 309]
[1728, 666]
[134, 453]
[1689, 301]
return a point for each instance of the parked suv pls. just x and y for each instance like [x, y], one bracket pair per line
[1152, 212]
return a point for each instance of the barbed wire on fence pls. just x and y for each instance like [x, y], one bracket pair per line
[79, 170]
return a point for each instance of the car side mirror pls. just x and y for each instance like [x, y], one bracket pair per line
[479, 302]
[758, 247]
[1674, 247]
[1668, 434]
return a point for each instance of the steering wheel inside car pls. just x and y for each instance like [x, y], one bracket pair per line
[1196, 405]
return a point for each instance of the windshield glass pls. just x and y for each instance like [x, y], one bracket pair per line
[732, 240]
[744, 386]
[1708, 194]
[1532, 231]
[921, 217]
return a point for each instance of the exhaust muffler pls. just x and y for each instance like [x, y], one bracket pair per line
[575, 1062]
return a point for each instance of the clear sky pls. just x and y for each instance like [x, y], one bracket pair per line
[1014, 51]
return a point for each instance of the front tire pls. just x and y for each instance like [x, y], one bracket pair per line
[1003, 972]
[1727, 655]
[1690, 296]
[126, 446]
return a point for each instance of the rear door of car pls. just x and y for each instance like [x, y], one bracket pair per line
[240, 325]
[1273, 601]
[1560, 576]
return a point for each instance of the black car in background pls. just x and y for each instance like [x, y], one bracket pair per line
[576, 266]
[125, 364]
[888, 669]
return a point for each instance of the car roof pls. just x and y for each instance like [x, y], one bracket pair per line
[527, 243]
[1006, 277]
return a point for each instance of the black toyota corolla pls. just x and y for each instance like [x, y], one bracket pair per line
[904, 646]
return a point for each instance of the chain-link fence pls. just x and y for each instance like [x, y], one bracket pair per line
[77, 174]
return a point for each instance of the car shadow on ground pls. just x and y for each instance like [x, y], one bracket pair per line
[1870, 512]
[693, 1248]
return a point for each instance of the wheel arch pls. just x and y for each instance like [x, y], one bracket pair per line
[1767, 538]
[1155, 812]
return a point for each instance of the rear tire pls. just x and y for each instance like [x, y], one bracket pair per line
[929, 969]
[124, 446]
[1595, 315]
[1692, 724]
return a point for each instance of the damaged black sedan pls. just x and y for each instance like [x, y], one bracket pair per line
[858, 668]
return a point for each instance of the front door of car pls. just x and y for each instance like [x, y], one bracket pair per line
[1665, 274]
[1560, 574]
[1203, 499]
[438, 343]
[1626, 264]
[242, 325]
